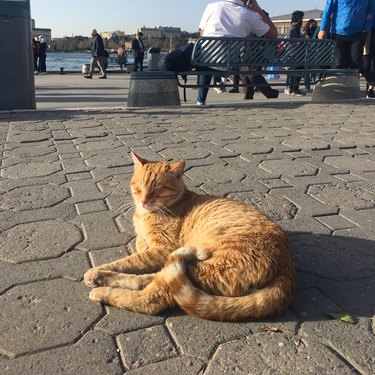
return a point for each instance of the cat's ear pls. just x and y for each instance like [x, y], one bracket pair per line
[178, 168]
[138, 160]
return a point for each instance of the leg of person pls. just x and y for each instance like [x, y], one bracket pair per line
[263, 86]
[356, 50]
[136, 62]
[43, 67]
[102, 68]
[248, 89]
[141, 58]
[342, 56]
[371, 67]
[287, 90]
[204, 80]
[236, 81]
[92, 68]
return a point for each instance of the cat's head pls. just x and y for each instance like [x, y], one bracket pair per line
[156, 185]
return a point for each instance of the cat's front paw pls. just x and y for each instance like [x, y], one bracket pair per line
[92, 277]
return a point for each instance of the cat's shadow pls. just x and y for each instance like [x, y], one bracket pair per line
[334, 274]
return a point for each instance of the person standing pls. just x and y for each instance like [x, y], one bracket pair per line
[349, 20]
[233, 19]
[122, 56]
[42, 55]
[36, 45]
[97, 53]
[295, 33]
[310, 28]
[138, 51]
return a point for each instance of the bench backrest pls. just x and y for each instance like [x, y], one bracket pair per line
[229, 53]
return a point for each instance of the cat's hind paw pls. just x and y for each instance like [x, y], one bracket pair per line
[97, 295]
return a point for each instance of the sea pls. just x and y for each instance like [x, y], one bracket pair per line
[72, 61]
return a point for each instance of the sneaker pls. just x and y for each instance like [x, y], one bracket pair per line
[200, 103]
[219, 90]
[288, 91]
[298, 92]
[234, 91]
[103, 77]
[370, 94]
[88, 76]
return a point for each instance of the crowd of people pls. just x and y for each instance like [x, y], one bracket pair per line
[350, 23]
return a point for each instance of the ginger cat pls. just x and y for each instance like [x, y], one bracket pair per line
[216, 258]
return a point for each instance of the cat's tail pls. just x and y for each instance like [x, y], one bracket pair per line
[273, 299]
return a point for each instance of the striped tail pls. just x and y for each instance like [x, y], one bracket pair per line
[263, 303]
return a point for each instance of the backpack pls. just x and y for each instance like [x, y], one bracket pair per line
[178, 59]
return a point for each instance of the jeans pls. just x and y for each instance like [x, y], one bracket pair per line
[203, 91]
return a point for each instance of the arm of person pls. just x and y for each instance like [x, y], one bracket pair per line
[206, 15]
[272, 31]
[326, 19]
[369, 22]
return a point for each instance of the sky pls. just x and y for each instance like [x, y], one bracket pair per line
[79, 17]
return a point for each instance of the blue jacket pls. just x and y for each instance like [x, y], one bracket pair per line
[348, 17]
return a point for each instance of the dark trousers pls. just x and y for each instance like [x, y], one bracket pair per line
[42, 63]
[348, 51]
[138, 60]
[368, 61]
[258, 81]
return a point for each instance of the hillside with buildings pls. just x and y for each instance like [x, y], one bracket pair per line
[165, 37]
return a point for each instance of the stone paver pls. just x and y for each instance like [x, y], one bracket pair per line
[65, 206]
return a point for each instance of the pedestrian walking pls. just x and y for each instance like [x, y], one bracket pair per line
[97, 53]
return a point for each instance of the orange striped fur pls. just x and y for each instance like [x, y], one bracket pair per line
[216, 258]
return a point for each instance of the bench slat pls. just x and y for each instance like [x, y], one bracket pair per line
[233, 53]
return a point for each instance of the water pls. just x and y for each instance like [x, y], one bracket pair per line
[71, 61]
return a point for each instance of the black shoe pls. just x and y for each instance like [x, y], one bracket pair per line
[370, 94]
[234, 91]
[103, 77]
[272, 94]
[88, 76]
[298, 92]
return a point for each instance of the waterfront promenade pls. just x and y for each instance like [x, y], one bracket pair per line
[65, 171]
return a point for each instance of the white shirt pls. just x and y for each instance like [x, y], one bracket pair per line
[231, 18]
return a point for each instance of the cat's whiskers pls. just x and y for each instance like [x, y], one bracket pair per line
[124, 206]
[163, 210]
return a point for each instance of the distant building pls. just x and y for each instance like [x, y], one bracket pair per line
[159, 32]
[282, 22]
[112, 34]
[37, 31]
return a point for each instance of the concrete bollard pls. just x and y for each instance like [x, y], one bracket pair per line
[153, 89]
[340, 87]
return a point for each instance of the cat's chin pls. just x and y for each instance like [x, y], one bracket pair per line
[147, 209]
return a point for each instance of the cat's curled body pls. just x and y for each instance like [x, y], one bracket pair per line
[216, 258]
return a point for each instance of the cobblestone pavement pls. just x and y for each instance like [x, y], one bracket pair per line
[64, 180]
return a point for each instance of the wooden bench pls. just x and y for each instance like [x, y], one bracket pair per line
[228, 56]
